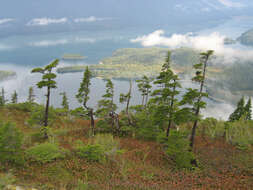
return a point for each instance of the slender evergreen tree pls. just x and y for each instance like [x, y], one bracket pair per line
[31, 96]
[144, 87]
[83, 97]
[165, 96]
[239, 111]
[248, 110]
[65, 103]
[48, 81]
[2, 98]
[107, 107]
[14, 97]
[197, 95]
[125, 98]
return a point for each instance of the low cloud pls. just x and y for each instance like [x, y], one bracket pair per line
[90, 19]
[213, 41]
[4, 47]
[6, 20]
[46, 21]
[231, 4]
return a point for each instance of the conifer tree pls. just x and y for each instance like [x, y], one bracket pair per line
[48, 81]
[14, 98]
[144, 87]
[2, 98]
[239, 111]
[197, 95]
[165, 96]
[125, 98]
[248, 110]
[31, 96]
[107, 107]
[83, 97]
[65, 103]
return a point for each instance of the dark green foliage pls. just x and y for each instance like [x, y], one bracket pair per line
[14, 97]
[65, 103]
[239, 111]
[248, 109]
[194, 97]
[83, 97]
[2, 98]
[164, 98]
[44, 153]
[144, 87]
[38, 115]
[178, 150]
[48, 81]
[10, 143]
[93, 153]
[31, 96]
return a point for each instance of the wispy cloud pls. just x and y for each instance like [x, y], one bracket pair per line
[6, 20]
[90, 19]
[46, 21]
[4, 47]
[213, 41]
[46, 43]
[231, 4]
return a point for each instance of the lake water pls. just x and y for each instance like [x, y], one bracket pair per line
[22, 53]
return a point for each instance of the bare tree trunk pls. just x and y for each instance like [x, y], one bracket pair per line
[92, 122]
[128, 103]
[198, 107]
[171, 112]
[46, 112]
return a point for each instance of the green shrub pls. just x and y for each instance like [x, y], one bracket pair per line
[178, 150]
[109, 145]
[91, 152]
[44, 153]
[25, 106]
[82, 186]
[6, 179]
[10, 143]
[37, 116]
[240, 133]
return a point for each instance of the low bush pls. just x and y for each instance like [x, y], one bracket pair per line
[91, 152]
[6, 179]
[10, 143]
[178, 150]
[44, 153]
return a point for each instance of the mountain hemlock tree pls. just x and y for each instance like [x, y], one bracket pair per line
[165, 96]
[239, 111]
[107, 107]
[248, 110]
[48, 81]
[31, 96]
[2, 98]
[200, 77]
[65, 103]
[83, 97]
[144, 87]
[14, 97]
[125, 98]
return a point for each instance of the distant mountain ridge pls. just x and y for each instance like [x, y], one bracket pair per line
[247, 38]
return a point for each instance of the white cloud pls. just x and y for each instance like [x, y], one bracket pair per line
[46, 43]
[231, 4]
[6, 20]
[213, 41]
[46, 21]
[90, 19]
